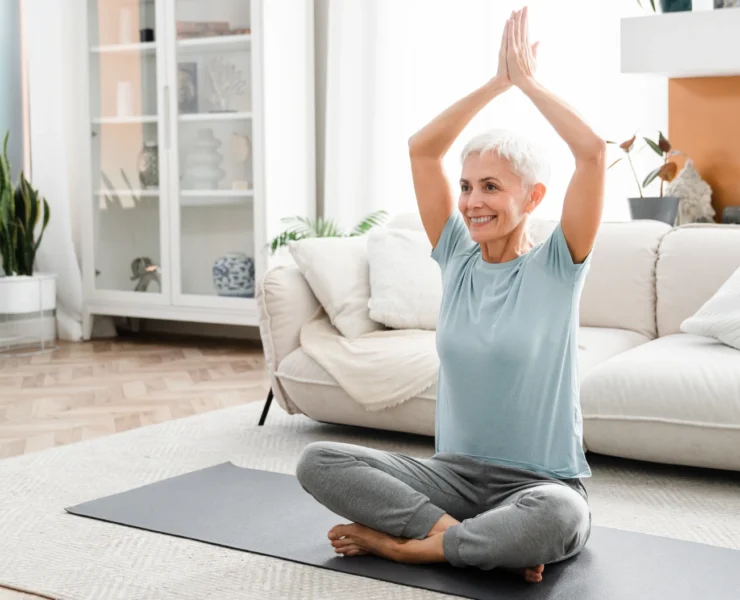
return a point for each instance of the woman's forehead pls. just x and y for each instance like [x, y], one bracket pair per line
[489, 164]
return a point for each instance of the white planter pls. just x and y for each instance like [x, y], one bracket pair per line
[23, 294]
[27, 314]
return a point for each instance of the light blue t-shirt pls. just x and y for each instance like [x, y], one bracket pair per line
[508, 388]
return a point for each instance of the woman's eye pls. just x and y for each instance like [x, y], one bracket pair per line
[490, 187]
[464, 188]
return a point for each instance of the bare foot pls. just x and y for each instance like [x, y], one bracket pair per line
[355, 540]
[531, 574]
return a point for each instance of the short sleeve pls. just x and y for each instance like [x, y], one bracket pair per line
[555, 257]
[454, 239]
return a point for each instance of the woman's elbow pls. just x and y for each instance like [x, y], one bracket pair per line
[592, 151]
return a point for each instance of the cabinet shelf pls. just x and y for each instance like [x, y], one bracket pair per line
[125, 120]
[143, 47]
[214, 197]
[217, 116]
[140, 193]
[215, 42]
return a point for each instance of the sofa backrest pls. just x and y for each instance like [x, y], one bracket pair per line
[693, 263]
[619, 291]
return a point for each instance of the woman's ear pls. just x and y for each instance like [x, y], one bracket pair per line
[535, 196]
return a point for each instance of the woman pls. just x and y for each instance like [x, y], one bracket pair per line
[503, 488]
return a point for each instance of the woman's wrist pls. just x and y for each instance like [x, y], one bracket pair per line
[498, 85]
[528, 85]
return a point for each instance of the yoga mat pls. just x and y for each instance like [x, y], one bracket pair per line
[271, 514]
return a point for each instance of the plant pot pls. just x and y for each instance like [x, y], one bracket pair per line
[663, 208]
[675, 5]
[27, 314]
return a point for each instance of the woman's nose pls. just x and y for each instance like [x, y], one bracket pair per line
[474, 201]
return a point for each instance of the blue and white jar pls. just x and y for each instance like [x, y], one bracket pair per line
[233, 275]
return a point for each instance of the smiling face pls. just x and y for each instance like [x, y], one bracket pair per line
[494, 200]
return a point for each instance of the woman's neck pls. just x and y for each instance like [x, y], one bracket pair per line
[507, 248]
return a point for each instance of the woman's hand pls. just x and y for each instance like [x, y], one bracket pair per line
[521, 57]
[502, 75]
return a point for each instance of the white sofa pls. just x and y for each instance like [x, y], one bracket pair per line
[648, 391]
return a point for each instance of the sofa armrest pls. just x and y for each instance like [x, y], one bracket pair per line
[285, 302]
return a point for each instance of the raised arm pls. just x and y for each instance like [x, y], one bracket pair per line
[428, 146]
[584, 198]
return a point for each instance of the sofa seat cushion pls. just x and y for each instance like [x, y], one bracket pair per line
[597, 344]
[675, 399]
[317, 394]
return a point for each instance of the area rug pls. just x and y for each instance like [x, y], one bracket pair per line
[45, 550]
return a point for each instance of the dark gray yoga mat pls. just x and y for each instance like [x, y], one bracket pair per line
[271, 514]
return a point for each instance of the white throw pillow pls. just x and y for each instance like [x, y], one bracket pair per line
[405, 282]
[337, 271]
[719, 317]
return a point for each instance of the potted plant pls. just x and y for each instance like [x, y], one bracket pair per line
[302, 227]
[22, 291]
[669, 5]
[659, 208]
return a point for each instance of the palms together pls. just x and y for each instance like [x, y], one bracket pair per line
[517, 59]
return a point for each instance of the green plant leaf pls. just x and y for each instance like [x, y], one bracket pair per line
[372, 220]
[614, 163]
[283, 239]
[652, 3]
[47, 216]
[327, 228]
[652, 175]
[300, 226]
[654, 146]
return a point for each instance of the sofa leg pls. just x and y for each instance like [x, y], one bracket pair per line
[267, 407]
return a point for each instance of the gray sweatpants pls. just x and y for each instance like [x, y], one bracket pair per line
[508, 517]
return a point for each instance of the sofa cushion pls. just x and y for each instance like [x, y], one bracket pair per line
[719, 317]
[597, 344]
[339, 275]
[405, 282]
[675, 399]
[693, 262]
[320, 398]
[619, 291]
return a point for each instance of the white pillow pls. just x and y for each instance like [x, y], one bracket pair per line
[337, 272]
[719, 317]
[405, 282]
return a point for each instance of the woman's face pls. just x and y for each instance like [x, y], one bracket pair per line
[493, 199]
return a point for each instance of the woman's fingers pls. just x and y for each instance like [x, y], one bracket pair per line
[524, 28]
[535, 47]
[504, 36]
[514, 30]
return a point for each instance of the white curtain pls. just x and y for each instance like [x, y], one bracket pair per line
[50, 29]
[392, 65]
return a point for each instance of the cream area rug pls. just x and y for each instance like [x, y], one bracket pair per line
[45, 550]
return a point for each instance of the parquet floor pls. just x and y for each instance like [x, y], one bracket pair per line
[88, 390]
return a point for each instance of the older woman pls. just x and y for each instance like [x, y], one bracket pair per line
[503, 488]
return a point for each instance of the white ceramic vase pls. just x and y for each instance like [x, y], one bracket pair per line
[202, 170]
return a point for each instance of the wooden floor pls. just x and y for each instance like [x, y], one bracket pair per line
[92, 389]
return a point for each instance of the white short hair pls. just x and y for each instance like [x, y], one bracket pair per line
[528, 159]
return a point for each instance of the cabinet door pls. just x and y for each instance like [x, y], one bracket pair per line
[212, 175]
[128, 159]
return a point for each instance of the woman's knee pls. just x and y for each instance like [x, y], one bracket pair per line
[312, 457]
[563, 515]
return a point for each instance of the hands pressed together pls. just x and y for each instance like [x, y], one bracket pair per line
[517, 58]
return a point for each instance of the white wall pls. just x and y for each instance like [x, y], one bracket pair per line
[427, 54]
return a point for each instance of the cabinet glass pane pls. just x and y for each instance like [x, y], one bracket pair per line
[214, 144]
[125, 154]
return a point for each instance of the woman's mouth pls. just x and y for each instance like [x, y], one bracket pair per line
[481, 221]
